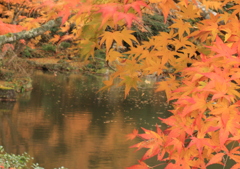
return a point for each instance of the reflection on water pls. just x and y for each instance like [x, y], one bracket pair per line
[65, 122]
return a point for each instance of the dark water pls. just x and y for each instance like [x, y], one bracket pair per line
[63, 121]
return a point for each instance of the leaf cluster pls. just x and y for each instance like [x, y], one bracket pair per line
[204, 34]
[204, 121]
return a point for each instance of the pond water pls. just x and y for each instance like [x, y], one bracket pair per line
[63, 121]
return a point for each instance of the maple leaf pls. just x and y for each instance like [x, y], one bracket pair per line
[128, 17]
[187, 44]
[113, 55]
[31, 23]
[55, 39]
[216, 159]
[212, 4]
[165, 6]
[65, 27]
[189, 12]
[178, 145]
[230, 126]
[22, 41]
[141, 165]
[224, 17]
[236, 166]
[234, 154]
[181, 26]
[66, 37]
[180, 164]
[153, 151]
[220, 85]
[108, 84]
[200, 143]
[236, 9]
[132, 135]
[7, 46]
[118, 36]
[136, 6]
[149, 134]
[185, 90]
[222, 49]
[9, 28]
[107, 11]
[87, 48]
[196, 102]
[180, 126]
[207, 28]
[155, 66]
[66, 12]
[165, 38]
[7, 16]
[223, 136]
[112, 11]
[168, 86]
[153, 141]
[129, 82]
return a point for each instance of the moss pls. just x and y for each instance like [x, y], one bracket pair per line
[153, 24]
[7, 94]
[22, 84]
[99, 53]
[6, 75]
[49, 48]
[65, 45]
[30, 53]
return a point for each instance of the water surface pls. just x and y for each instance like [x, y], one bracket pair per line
[63, 121]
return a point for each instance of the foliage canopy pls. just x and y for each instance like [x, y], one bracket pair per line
[204, 34]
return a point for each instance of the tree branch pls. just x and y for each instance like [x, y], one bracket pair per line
[12, 37]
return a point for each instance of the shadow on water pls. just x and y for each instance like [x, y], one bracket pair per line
[63, 121]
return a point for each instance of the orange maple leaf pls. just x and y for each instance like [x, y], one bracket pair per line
[9, 28]
[141, 165]
[113, 11]
[222, 49]
[168, 86]
[217, 158]
[207, 28]
[165, 6]
[132, 135]
[136, 6]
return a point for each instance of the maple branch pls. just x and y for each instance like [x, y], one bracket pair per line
[18, 11]
[107, 62]
[12, 37]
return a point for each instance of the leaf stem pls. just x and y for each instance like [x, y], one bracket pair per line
[157, 165]
[225, 162]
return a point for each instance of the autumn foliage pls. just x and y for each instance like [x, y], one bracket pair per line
[204, 128]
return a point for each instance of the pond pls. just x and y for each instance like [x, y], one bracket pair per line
[64, 121]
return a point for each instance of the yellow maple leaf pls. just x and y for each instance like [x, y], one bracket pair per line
[168, 86]
[113, 55]
[183, 27]
[189, 12]
[55, 39]
[129, 82]
[118, 36]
